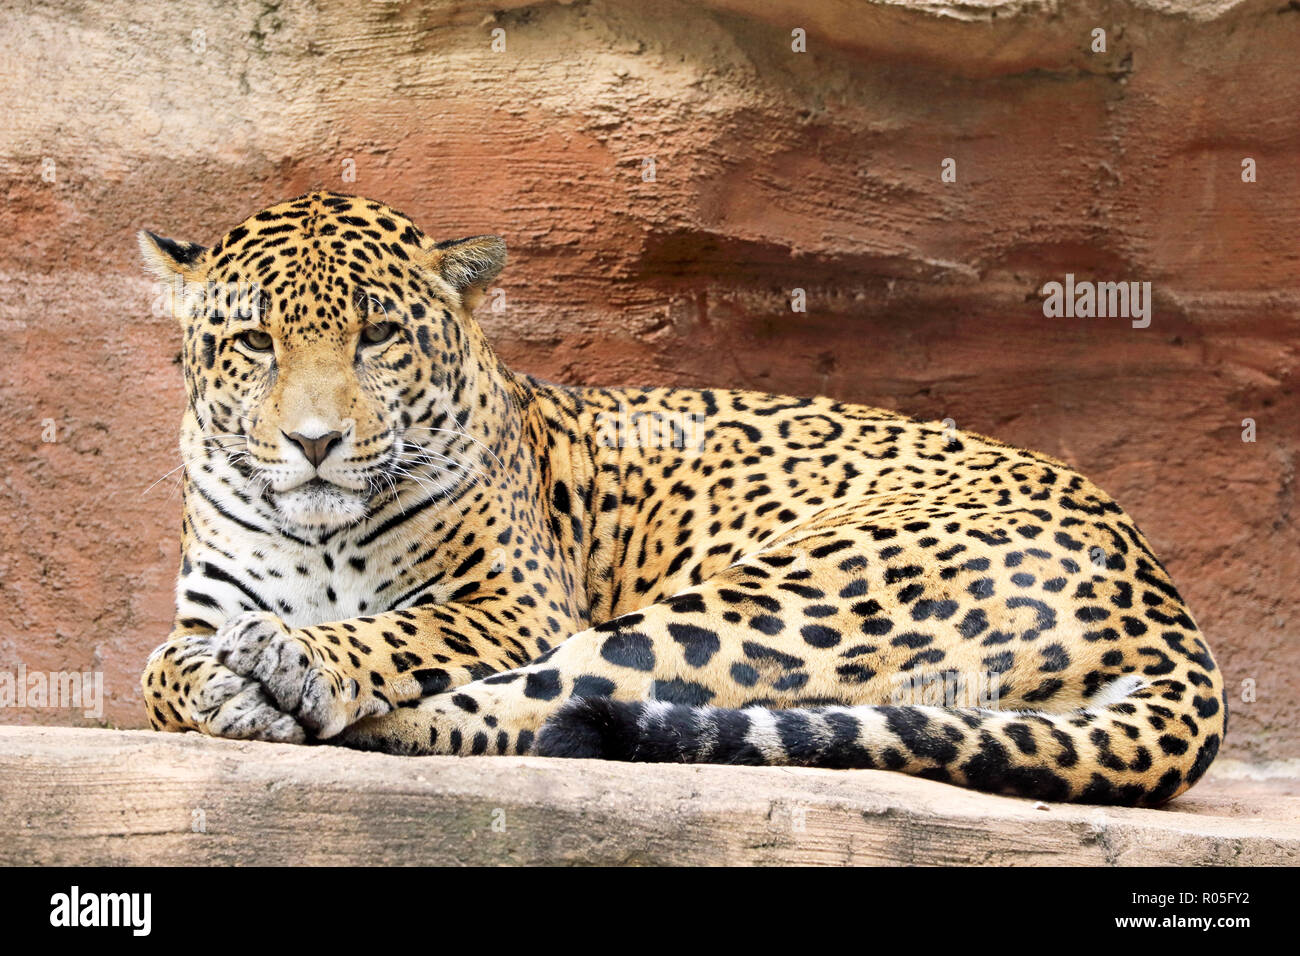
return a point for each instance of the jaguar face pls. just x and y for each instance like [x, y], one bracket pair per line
[327, 355]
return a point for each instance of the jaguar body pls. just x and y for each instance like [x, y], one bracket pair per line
[393, 541]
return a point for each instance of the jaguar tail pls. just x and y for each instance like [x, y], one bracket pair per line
[1141, 750]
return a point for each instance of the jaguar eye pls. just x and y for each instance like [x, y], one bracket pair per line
[255, 340]
[378, 332]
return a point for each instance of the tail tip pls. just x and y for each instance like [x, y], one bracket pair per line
[587, 727]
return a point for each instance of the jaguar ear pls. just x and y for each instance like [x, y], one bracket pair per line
[468, 265]
[167, 258]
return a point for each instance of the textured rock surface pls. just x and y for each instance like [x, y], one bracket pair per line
[773, 171]
[74, 797]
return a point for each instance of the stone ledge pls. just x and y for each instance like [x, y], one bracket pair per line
[96, 797]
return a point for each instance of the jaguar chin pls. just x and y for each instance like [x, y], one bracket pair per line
[320, 505]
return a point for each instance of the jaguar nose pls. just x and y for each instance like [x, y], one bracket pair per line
[316, 449]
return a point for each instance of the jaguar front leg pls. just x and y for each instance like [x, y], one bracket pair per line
[328, 676]
[187, 688]
[300, 673]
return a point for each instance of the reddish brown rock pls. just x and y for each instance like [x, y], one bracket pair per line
[773, 170]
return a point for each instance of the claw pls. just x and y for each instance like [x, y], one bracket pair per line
[259, 647]
[238, 708]
[241, 641]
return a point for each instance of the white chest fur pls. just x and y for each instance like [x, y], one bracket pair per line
[304, 584]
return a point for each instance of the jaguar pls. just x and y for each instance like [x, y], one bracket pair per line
[392, 541]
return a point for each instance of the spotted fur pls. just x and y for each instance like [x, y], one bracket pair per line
[393, 541]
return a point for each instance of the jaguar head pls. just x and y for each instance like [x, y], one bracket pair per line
[331, 360]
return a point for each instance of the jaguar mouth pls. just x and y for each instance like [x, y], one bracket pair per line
[320, 486]
[318, 503]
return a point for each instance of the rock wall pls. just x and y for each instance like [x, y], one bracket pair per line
[667, 174]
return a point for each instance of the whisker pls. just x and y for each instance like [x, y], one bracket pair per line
[172, 472]
[427, 456]
[463, 434]
[426, 459]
